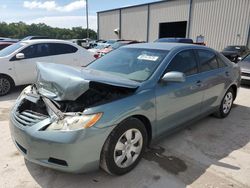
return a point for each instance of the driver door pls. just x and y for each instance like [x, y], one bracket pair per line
[178, 102]
[26, 68]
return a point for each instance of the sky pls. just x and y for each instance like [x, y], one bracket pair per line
[59, 13]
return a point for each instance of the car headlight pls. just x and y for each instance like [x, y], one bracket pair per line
[71, 123]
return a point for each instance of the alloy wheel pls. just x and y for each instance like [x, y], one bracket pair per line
[227, 103]
[5, 86]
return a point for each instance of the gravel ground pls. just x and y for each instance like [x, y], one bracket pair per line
[211, 153]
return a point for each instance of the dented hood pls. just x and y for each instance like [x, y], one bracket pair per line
[62, 82]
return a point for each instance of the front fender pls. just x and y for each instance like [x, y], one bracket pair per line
[141, 103]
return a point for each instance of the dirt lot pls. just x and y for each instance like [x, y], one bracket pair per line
[211, 153]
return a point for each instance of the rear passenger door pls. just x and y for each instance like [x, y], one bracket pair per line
[64, 54]
[214, 75]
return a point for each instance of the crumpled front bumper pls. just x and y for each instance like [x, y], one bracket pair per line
[69, 151]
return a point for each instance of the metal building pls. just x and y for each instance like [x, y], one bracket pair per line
[218, 22]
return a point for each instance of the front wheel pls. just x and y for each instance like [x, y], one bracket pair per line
[5, 85]
[226, 104]
[124, 147]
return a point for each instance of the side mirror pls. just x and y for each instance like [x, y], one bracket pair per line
[174, 77]
[20, 56]
[239, 59]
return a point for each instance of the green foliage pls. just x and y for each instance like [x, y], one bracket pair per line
[20, 30]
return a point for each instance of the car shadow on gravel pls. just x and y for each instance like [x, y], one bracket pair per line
[177, 161]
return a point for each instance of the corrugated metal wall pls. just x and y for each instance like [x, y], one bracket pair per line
[169, 11]
[136, 19]
[107, 23]
[221, 22]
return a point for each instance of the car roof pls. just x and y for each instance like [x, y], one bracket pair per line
[36, 41]
[164, 46]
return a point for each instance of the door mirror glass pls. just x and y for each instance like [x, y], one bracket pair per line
[174, 77]
[20, 56]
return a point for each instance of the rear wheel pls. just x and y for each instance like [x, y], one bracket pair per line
[226, 104]
[124, 147]
[6, 85]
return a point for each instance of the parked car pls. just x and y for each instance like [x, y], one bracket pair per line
[98, 47]
[178, 40]
[18, 61]
[245, 69]
[110, 111]
[111, 41]
[35, 38]
[233, 52]
[114, 46]
[5, 44]
[2, 39]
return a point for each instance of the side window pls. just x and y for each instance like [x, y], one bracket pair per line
[184, 62]
[221, 63]
[58, 49]
[42, 50]
[29, 52]
[36, 50]
[208, 60]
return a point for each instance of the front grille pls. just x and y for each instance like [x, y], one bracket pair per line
[245, 74]
[28, 117]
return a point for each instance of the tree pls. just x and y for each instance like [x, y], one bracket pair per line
[20, 30]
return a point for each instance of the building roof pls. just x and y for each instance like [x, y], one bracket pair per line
[132, 6]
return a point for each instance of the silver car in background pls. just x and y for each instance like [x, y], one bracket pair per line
[77, 119]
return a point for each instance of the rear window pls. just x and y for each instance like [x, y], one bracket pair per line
[178, 40]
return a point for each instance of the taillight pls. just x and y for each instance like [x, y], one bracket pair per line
[96, 56]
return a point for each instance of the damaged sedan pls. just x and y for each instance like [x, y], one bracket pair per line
[105, 115]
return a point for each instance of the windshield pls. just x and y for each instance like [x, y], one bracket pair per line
[131, 63]
[232, 48]
[10, 49]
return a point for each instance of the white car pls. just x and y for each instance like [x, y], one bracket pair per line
[18, 61]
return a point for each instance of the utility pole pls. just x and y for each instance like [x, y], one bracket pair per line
[87, 18]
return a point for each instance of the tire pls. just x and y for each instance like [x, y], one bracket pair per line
[121, 154]
[226, 104]
[6, 85]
